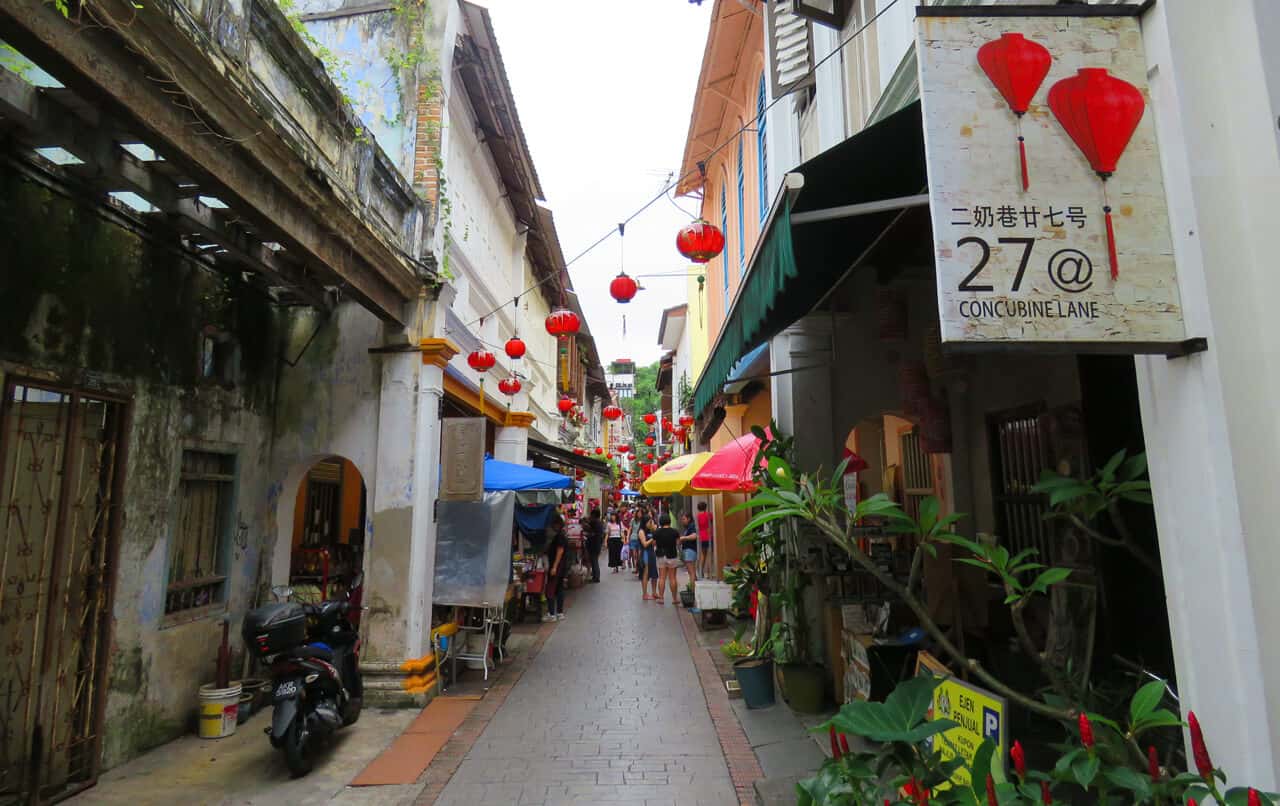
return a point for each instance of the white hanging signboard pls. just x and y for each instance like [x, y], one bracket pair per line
[1037, 130]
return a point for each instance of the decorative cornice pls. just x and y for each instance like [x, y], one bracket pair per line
[520, 419]
[437, 352]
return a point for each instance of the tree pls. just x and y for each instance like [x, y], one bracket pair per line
[647, 399]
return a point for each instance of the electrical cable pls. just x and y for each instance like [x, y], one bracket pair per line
[672, 185]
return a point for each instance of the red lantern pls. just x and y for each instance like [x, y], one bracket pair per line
[623, 288]
[481, 360]
[1100, 112]
[1016, 66]
[515, 347]
[650, 456]
[700, 241]
[599, 451]
[650, 419]
[611, 412]
[565, 405]
[686, 420]
[631, 456]
[649, 441]
[679, 432]
[509, 386]
[563, 323]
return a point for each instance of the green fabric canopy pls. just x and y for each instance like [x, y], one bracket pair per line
[792, 272]
[774, 268]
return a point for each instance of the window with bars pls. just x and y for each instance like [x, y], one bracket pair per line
[1019, 453]
[917, 472]
[198, 546]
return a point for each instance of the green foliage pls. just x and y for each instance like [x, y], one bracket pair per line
[1120, 479]
[646, 399]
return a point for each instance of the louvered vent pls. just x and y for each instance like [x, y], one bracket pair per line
[790, 48]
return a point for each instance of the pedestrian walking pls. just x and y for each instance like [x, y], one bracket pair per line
[594, 534]
[557, 568]
[666, 540]
[614, 541]
[648, 562]
[689, 546]
[705, 539]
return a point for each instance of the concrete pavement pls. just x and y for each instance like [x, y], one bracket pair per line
[610, 711]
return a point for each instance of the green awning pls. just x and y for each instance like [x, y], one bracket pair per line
[795, 265]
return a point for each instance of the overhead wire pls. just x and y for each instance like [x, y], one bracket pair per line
[673, 184]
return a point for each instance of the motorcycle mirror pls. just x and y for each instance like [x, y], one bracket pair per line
[357, 581]
[282, 591]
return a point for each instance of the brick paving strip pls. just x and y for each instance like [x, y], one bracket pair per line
[450, 757]
[744, 767]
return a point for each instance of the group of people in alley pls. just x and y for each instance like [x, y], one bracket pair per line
[641, 539]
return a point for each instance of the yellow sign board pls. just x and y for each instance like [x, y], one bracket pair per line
[979, 713]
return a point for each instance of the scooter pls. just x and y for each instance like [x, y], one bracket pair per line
[314, 655]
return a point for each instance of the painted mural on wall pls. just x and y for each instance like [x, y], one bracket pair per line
[1049, 215]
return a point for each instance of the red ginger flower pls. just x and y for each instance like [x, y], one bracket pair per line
[1192, 802]
[1046, 797]
[1153, 763]
[1204, 765]
[1019, 760]
[1086, 732]
[991, 791]
[844, 744]
[1254, 798]
[835, 747]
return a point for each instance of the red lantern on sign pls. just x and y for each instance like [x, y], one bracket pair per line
[1100, 112]
[611, 412]
[700, 241]
[565, 405]
[1017, 66]
[623, 288]
[481, 360]
[649, 441]
[515, 347]
[563, 323]
[686, 420]
[509, 386]
[650, 419]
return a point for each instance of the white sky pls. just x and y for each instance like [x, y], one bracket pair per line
[604, 89]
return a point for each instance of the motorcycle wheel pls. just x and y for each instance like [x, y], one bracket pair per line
[296, 753]
[352, 711]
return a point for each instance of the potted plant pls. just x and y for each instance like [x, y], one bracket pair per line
[686, 595]
[736, 648]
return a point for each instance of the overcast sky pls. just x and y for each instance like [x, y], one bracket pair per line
[605, 90]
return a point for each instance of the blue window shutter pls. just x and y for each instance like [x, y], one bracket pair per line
[762, 150]
[724, 228]
[742, 215]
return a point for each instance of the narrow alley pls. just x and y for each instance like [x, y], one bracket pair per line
[609, 711]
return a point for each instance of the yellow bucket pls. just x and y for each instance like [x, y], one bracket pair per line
[218, 710]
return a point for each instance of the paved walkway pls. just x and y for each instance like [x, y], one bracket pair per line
[610, 711]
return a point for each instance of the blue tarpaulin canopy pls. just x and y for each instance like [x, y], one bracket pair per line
[507, 476]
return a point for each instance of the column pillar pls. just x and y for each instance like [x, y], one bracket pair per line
[400, 559]
[802, 399]
[511, 444]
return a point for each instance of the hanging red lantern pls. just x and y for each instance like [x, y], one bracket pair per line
[611, 412]
[686, 420]
[563, 323]
[599, 451]
[631, 456]
[509, 386]
[700, 241]
[649, 441]
[1016, 66]
[679, 432]
[481, 360]
[515, 347]
[1100, 112]
[565, 405]
[650, 456]
[650, 418]
[623, 288]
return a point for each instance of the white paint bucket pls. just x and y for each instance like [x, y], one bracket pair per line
[219, 708]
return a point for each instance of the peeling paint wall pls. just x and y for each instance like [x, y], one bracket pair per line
[76, 290]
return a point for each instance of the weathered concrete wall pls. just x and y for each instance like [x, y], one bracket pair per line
[85, 298]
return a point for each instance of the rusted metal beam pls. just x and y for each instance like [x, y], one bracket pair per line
[200, 112]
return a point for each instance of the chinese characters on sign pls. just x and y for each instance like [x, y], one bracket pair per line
[1024, 217]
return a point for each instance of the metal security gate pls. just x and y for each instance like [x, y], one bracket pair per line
[61, 475]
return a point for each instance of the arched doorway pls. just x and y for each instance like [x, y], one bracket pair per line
[330, 513]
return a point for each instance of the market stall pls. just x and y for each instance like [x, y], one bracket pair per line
[482, 565]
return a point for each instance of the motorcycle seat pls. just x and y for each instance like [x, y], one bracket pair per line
[313, 651]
